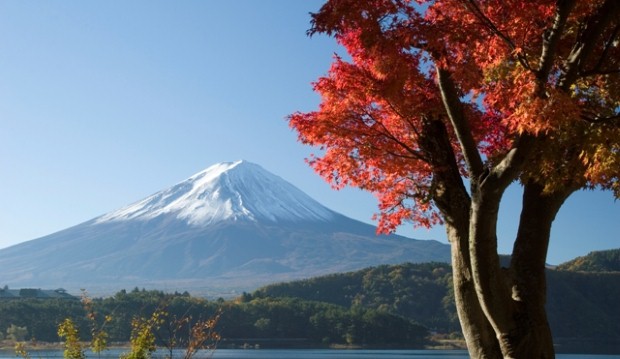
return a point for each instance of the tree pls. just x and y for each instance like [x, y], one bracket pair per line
[16, 333]
[202, 336]
[73, 347]
[193, 335]
[99, 337]
[143, 336]
[441, 105]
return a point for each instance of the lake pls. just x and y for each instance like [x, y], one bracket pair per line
[310, 354]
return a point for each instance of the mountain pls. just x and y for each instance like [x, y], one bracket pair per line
[238, 191]
[231, 227]
[598, 261]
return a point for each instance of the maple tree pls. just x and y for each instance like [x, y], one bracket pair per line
[440, 105]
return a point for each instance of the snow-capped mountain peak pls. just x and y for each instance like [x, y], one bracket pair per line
[233, 226]
[227, 191]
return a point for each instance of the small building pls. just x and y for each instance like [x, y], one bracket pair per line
[26, 293]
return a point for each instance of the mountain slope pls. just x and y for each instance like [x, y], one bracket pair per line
[234, 190]
[582, 307]
[232, 227]
[598, 261]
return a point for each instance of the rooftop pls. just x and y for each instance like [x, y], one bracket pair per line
[24, 293]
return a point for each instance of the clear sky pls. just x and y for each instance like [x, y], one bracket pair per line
[103, 103]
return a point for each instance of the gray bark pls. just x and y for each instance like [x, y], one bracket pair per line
[527, 269]
[478, 333]
[452, 199]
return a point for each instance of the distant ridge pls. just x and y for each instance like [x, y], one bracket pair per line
[597, 261]
[229, 228]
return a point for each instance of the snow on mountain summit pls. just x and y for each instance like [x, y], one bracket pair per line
[227, 191]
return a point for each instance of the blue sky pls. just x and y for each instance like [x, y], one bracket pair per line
[104, 103]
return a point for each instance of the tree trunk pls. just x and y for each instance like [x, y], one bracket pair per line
[527, 269]
[453, 201]
[502, 312]
[513, 300]
[490, 281]
[478, 333]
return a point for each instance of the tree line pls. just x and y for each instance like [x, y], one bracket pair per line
[581, 305]
[270, 322]
[383, 306]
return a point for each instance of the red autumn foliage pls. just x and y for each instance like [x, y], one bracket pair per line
[519, 69]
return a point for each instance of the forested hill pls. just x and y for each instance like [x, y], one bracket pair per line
[386, 306]
[581, 306]
[600, 261]
[418, 291]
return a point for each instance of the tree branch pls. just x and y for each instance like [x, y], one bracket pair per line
[600, 72]
[584, 45]
[449, 193]
[454, 108]
[608, 45]
[551, 40]
[475, 9]
[510, 166]
[611, 120]
[402, 116]
[388, 134]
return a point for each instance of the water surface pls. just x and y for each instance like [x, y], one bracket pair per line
[301, 354]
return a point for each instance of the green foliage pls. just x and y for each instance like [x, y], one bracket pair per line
[584, 305]
[143, 336]
[600, 261]
[320, 323]
[40, 316]
[16, 333]
[380, 306]
[122, 315]
[73, 347]
[420, 292]
[579, 304]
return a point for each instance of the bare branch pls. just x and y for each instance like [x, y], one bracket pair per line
[454, 108]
